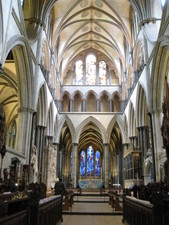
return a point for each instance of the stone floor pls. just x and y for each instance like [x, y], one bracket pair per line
[91, 210]
[91, 220]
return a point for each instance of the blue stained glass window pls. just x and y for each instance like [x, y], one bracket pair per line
[90, 161]
[97, 163]
[82, 163]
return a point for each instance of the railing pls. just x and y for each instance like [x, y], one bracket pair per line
[140, 212]
[48, 211]
[26, 211]
[16, 218]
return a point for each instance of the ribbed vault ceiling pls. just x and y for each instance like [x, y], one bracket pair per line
[91, 24]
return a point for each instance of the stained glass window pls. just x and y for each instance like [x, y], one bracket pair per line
[90, 161]
[79, 72]
[163, 2]
[102, 72]
[97, 163]
[82, 163]
[22, 1]
[91, 69]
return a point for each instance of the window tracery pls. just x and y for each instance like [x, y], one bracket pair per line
[90, 165]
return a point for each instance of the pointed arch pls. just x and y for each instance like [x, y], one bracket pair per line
[91, 102]
[119, 120]
[60, 126]
[104, 101]
[42, 106]
[50, 121]
[138, 56]
[132, 121]
[23, 62]
[77, 102]
[142, 108]
[93, 120]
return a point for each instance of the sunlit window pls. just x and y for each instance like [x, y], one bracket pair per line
[79, 72]
[163, 2]
[102, 72]
[97, 163]
[22, 2]
[90, 161]
[82, 163]
[91, 69]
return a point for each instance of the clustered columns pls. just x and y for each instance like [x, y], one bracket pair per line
[25, 116]
[75, 165]
[143, 140]
[106, 165]
[57, 158]
[84, 105]
[40, 146]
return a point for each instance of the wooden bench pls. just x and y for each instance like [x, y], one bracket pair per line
[116, 201]
[68, 200]
[141, 212]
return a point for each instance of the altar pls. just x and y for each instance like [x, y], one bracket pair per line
[93, 184]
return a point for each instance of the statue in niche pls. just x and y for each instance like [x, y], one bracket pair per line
[149, 158]
[34, 161]
[52, 166]
[43, 56]
[140, 59]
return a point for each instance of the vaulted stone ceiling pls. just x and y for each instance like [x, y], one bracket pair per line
[91, 24]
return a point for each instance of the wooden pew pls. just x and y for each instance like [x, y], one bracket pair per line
[116, 200]
[68, 200]
[141, 212]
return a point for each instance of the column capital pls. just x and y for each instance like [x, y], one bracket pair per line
[75, 144]
[25, 109]
[106, 144]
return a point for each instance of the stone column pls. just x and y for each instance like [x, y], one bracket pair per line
[110, 77]
[152, 142]
[40, 146]
[75, 165]
[97, 74]
[60, 163]
[71, 105]
[84, 73]
[84, 105]
[106, 165]
[57, 157]
[98, 105]
[110, 105]
[24, 129]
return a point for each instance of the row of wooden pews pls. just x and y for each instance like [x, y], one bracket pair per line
[28, 208]
[146, 205]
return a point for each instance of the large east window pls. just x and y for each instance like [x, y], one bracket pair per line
[90, 165]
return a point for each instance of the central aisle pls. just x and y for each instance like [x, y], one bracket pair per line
[90, 209]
